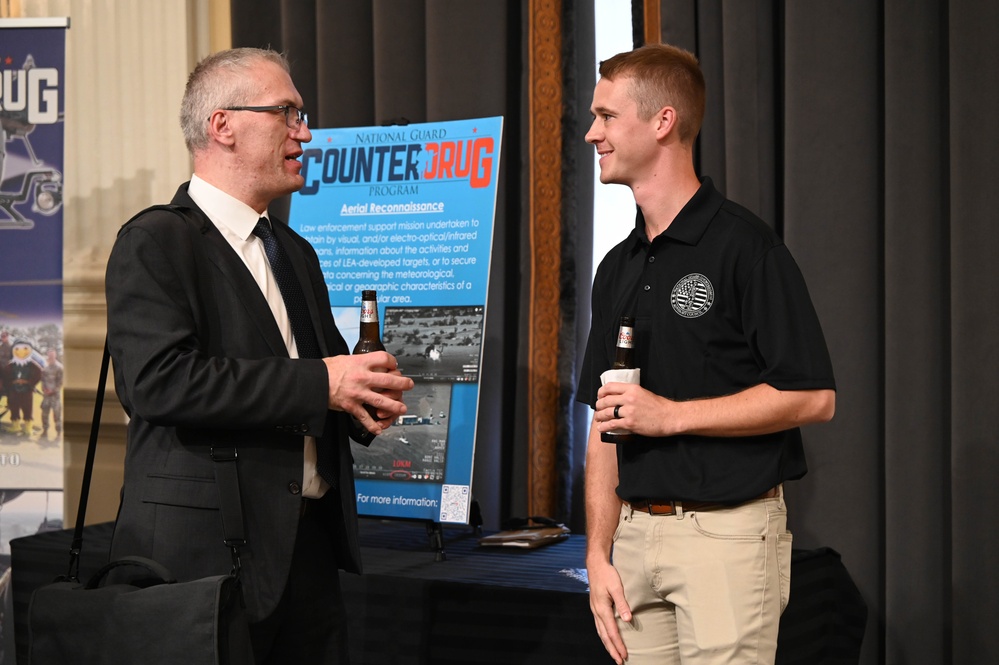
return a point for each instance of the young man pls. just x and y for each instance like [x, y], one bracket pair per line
[215, 346]
[732, 362]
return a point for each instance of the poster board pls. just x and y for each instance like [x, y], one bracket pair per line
[409, 211]
[32, 137]
[32, 113]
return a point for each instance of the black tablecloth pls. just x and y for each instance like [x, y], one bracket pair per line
[479, 605]
[487, 605]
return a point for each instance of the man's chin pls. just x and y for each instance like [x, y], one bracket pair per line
[293, 184]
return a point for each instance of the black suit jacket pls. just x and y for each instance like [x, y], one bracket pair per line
[199, 362]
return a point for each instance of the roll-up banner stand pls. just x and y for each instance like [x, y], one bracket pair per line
[32, 102]
[408, 211]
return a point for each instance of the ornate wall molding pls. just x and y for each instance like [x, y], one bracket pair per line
[652, 15]
[545, 183]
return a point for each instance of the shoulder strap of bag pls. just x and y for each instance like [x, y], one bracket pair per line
[196, 228]
[88, 470]
[226, 473]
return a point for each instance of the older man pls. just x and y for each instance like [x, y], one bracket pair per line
[220, 328]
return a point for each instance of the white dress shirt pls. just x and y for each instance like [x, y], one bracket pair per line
[235, 221]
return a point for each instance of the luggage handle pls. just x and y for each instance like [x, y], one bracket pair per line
[159, 571]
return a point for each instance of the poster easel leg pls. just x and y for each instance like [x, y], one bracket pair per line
[475, 517]
[436, 534]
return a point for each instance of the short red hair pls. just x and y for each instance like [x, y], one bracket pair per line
[662, 75]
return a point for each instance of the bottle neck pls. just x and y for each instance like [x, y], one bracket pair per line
[369, 312]
[369, 329]
[623, 359]
[625, 339]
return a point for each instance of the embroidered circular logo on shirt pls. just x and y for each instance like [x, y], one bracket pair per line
[692, 296]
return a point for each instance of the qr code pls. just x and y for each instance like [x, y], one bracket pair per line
[454, 503]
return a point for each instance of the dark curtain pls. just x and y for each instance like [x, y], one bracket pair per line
[376, 62]
[577, 254]
[865, 132]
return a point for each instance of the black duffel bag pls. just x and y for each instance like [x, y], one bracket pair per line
[132, 611]
[153, 619]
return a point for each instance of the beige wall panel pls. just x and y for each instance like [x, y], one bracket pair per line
[126, 65]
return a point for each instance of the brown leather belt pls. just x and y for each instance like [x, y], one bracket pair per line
[654, 507]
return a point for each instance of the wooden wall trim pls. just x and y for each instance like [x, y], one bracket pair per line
[653, 20]
[545, 186]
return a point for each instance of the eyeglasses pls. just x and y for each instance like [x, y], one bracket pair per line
[294, 121]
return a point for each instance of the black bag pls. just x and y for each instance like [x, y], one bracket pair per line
[152, 618]
[168, 622]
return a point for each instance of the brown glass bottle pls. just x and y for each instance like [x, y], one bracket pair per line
[623, 359]
[369, 338]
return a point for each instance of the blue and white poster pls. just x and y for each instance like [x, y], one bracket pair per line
[408, 211]
[32, 97]
[32, 102]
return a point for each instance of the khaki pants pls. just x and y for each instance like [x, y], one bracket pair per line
[705, 587]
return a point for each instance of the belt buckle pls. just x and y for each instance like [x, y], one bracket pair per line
[649, 504]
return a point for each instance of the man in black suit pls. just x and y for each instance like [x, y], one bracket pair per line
[215, 347]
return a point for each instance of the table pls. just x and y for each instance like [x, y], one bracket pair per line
[487, 604]
[479, 605]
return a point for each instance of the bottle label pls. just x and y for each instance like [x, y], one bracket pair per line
[369, 311]
[625, 337]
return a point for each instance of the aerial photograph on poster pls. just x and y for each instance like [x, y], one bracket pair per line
[435, 343]
[415, 447]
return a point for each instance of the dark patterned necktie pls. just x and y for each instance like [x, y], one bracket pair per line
[291, 291]
[301, 325]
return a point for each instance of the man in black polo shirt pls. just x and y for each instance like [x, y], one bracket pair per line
[732, 362]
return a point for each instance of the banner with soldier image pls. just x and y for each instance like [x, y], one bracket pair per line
[32, 79]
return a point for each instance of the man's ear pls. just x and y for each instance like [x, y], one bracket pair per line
[666, 122]
[219, 128]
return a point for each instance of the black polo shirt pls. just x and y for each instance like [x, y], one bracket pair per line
[719, 306]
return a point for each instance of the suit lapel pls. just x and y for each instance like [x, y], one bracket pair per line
[242, 287]
[298, 262]
[239, 283]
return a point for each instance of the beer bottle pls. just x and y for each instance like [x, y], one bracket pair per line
[622, 360]
[625, 342]
[369, 338]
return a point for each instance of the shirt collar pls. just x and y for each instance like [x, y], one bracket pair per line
[692, 220]
[223, 209]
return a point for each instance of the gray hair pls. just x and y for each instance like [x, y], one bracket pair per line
[219, 81]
